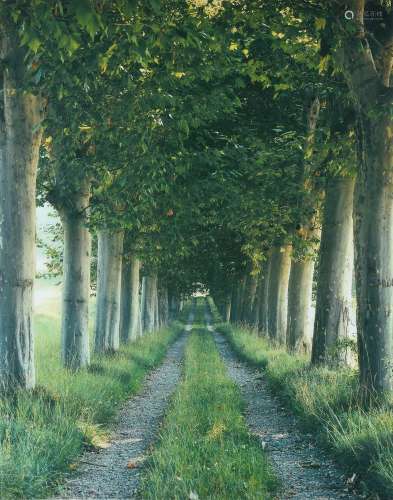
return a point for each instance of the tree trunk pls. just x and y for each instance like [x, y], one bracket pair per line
[256, 309]
[172, 305]
[249, 298]
[150, 303]
[373, 213]
[125, 301]
[135, 331]
[240, 298]
[234, 302]
[228, 309]
[299, 326]
[374, 257]
[20, 138]
[334, 292]
[129, 312]
[278, 293]
[163, 306]
[299, 305]
[107, 332]
[76, 282]
[143, 305]
[156, 306]
[263, 324]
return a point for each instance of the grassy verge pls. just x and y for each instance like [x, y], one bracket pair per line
[42, 433]
[328, 405]
[205, 450]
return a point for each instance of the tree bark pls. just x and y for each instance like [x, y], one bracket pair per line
[157, 318]
[235, 302]
[373, 256]
[299, 327]
[20, 138]
[263, 324]
[373, 211]
[240, 299]
[143, 305]
[135, 331]
[129, 312]
[107, 332]
[278, 293]
[163, 306]
[172, 305]
[150, 303]
[299, 305]
[249, 298]
[228, 309]
[76, 282]
[334, 292]
[125, 301]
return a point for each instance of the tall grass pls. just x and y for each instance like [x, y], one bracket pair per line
[329, 405]
[43, 432]
[205, 450]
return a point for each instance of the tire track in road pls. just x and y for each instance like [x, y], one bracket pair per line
[114, 472]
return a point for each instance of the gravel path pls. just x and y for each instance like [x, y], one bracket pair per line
[114, 471]
[305, 471]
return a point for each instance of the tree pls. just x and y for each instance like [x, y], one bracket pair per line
[21, 114]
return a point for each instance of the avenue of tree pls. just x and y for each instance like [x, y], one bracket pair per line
[238, 146]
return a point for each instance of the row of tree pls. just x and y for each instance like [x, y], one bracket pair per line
[218, 144]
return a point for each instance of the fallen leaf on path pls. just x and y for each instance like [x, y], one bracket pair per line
[132, 465]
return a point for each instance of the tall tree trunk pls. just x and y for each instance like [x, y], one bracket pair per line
[150, 303]
[172, 305]
[163, 305]
[302, 269]
[135, 325]
[256, 308]
[373, 213]
[125, 300]
[130, 310]
[143, 305]
[278, 293]
[240, 298]
[20, 137]
[374, 257]
[228, 308]
[107, 332]
[299, 305]
[234, 302]
[264, 300]
[334, 292]
[299, 326]
[76, 276]
[249, 297]
[156, 307]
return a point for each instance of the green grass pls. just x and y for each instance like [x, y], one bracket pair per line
[205, 447]
[328, 404]
[42, 433]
